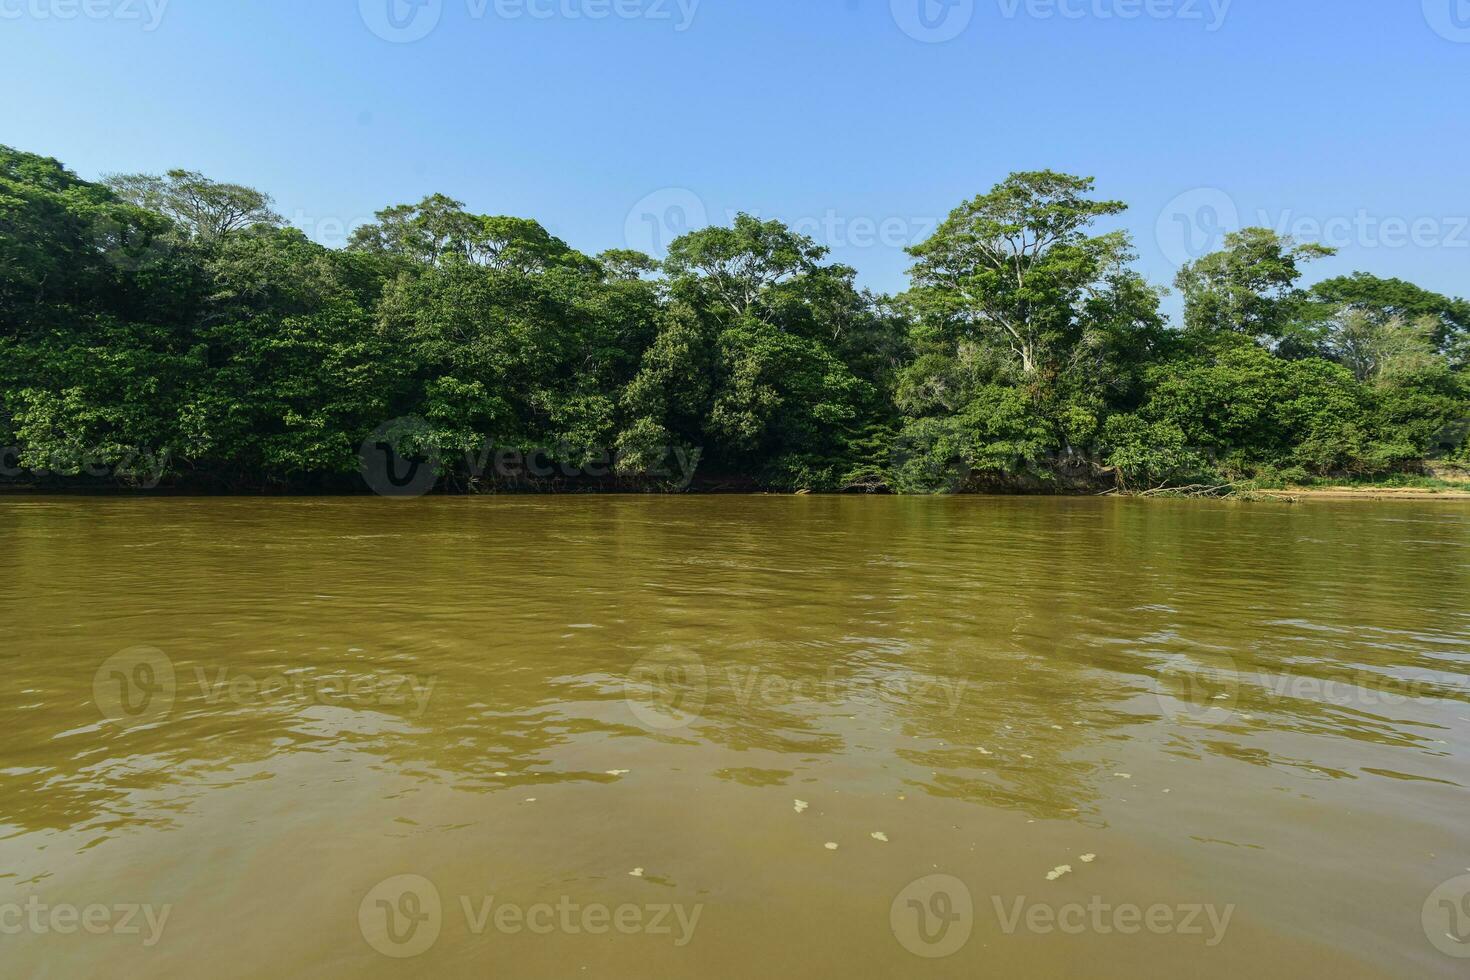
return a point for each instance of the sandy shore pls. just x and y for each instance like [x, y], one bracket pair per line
[1370, 493]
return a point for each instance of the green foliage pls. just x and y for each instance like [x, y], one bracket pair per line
[1375, 348]
[175, 319]
[1248, 410]
[1383, 299]
[1009, 268]
[438, 230]
[1250, 288]
[198, 206]
[1154, 454]
[1029, 330]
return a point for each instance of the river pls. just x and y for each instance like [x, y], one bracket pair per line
[734, 737]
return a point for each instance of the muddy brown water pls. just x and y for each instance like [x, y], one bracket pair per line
[617, 737]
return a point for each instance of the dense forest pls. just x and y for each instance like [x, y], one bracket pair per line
[174, 327]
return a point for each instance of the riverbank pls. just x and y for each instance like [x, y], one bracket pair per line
[1441, 483]
[1445, 484]
[1243, 492]
[1368, 493]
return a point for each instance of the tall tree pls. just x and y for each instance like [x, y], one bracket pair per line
[207, 209]
[438, 229]
[1373, 348]
[1249, 287]
[1382, 299]
[739, 269]
[1009, 268]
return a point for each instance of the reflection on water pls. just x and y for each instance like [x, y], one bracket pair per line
[268, 715]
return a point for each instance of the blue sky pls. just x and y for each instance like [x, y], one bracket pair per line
[618, 122]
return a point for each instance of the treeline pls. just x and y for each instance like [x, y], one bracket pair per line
[180, 318]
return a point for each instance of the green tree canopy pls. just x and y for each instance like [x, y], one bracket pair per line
[1250, 288]
[177, 319]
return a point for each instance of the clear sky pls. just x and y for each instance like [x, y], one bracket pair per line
[617, 122]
